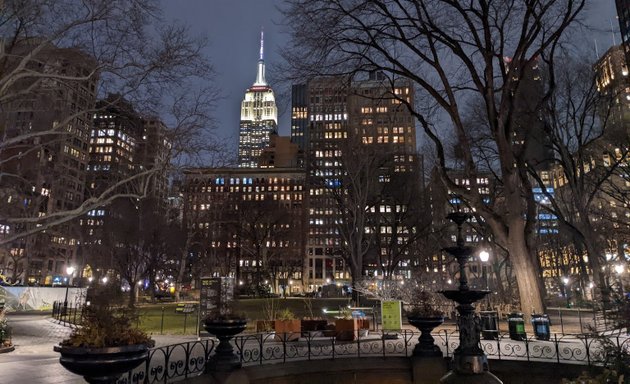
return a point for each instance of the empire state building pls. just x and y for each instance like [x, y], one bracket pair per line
[259, 117]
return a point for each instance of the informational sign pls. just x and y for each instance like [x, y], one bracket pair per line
[391, 316]
[214, 295]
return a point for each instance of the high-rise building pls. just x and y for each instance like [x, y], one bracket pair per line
[299, 116]
[113, 148]
[613, 83]
[259, 117]
[623, 14]
[369, 117]
[123, 146]
[45, 172]
[247, 223]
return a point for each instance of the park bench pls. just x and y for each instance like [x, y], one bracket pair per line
[185, 308]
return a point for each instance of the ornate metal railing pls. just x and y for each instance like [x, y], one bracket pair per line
[179, 361]
[172, 363]
[582, 349]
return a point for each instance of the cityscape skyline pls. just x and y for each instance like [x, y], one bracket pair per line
[233, 30]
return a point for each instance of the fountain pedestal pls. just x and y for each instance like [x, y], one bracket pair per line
[470, 363]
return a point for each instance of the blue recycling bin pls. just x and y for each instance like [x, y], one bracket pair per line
[540, 323]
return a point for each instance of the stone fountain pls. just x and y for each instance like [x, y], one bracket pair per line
[470, 363]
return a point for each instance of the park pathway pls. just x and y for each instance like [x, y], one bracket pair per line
[34, 361]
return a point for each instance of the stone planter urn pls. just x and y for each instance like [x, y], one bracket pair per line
[426, 344]
[224, 329]
[102, 365]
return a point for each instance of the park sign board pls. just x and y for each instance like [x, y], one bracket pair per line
[214, 295]
[391, 316]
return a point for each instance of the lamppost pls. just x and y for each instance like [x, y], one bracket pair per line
[484, 256]
[565, 280]
[69, 272]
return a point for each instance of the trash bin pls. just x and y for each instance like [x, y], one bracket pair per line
[540, 323]
[489, 325]
[516, 326]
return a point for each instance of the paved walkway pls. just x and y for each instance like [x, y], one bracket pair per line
[35, 362]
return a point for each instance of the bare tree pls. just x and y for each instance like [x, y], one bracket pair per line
[355, 194]
[402, 221]
[83, 49]
[267, 236]
[587, 158]
[452, 52]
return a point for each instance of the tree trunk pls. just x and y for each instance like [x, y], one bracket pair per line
[182, 270]
[132, 295]
[526, 274]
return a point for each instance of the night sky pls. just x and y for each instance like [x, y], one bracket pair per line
[233, 30]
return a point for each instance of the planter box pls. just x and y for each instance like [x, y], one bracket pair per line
[288, 330]
[265, 326]
[346, 329]
[314, 325]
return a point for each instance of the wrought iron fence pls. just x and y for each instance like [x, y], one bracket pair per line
[178, 361]
[66, 314]
[172, 363]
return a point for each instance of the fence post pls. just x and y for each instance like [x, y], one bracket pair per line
[162, 322]
[383, 340]
[499, 344]
[561, 321]
[527, 347]
[261, 348]
[588, 351]
[555, 342]
[185, 321]
[580, 318]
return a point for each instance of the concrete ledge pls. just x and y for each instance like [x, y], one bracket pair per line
[390, 370]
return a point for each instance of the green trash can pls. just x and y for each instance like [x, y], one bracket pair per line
[489, 325]
[516, 326]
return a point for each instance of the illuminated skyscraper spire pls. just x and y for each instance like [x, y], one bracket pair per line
[259, 116]
[260, 76]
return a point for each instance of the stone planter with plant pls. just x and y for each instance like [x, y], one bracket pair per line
[224, 324]
[424, 315]
[107, 344]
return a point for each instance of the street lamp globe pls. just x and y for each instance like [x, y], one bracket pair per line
[69, 270]
[619, 269]
[565, 280]
[484, 256]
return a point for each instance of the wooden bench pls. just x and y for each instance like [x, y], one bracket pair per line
[185, 308]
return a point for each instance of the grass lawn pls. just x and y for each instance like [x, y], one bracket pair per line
[162, 318]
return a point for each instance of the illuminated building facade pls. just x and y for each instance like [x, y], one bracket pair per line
[364, 113]
[44, 173]
[623, 14]
[259, 117]
[247, 223]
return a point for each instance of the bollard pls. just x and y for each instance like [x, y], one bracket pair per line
[162, 323]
